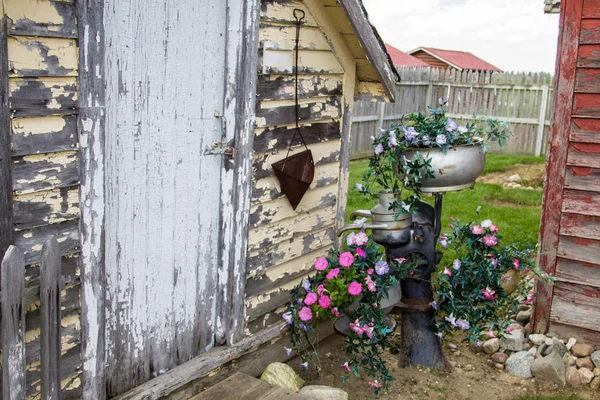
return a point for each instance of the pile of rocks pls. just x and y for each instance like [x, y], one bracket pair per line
[514, 182]
[545, 357]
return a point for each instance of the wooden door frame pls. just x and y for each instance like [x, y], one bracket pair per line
[6, 217]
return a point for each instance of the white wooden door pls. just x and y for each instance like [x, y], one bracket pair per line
[165, 63]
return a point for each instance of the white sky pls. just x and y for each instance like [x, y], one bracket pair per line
[513, 35]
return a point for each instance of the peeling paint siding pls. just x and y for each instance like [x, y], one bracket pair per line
[283, 37]
[162, 192]
[42, 58]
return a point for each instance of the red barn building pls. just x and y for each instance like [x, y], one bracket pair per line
[459, 60]
[570, 227]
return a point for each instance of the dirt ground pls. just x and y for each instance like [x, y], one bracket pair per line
[531, 175]
[471, 378]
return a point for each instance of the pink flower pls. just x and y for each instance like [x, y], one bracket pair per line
[375, 384]
[452, 219]
[360, 252]
[320, 290]
[516, 263]
[370, 284]
[324, 301]
[321, 264]
[493, 228]
[355, 326]
[447, 271]
[490, 240]
[476, 230]
[488, 293]
[400, 260]
[508, 330]
[370, 271]
[346, 259]
[305, 314]
[490, 334]
[333, 273]
[360, 239]
[310, 299]
[368, 330]
[335, 311]
[355, 288]
[346, 366]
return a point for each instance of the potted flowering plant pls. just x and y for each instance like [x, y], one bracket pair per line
[485, 283]
[428, 154]
[360, 283]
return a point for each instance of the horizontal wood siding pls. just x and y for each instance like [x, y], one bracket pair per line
[283, 243]
[575, 303]
[43, 64]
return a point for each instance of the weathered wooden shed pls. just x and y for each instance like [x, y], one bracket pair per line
[141, 134]
[570, 228]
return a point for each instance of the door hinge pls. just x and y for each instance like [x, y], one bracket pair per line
[220, 148]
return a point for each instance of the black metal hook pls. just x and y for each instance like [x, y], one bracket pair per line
[299, 15]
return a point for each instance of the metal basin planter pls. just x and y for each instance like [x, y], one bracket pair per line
[456, 170]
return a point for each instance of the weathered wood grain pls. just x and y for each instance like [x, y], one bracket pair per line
[576, 305]
[45, 207]
[579, 249]
[6, 224]
[586, 130]
[300, 224]
[580, 202]
[264, 259]
[272, 113]
[257, 307]
[30, 97]
[50, 289]
[282, 12]
[283, 37]
[582, 178]
[584, 155]
[51, 18]
[279, 139]
[568, 42]
[67, 234]
[280, 87]
[315, 62]
[37, 56]
[45, 171]
[323, 153]
[344, 172]
[590, 31]
[591, 9]
[589, 56]
[91, 129]
[586, 104]
[44, 135]
[583, 335]
[581, 226]
[268, 189]
[13, 324]
[70, 382]
[587, 80]
[70, 270]
[578, 272]
[280, 209]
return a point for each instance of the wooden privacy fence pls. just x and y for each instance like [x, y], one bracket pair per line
[12, 295]
[521, 99]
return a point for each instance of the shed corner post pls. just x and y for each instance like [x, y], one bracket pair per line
[236, 179]
[6, 220]
[91, 125]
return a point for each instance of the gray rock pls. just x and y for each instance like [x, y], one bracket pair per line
[537, 338]
[512, 341]
[491, 346]
[513, 178]
[524, 307]
[557, 347]
[596, 358]
[519, 364]
[319, 392]
[550, 368]
[550, 334]
[532, 351]
[582, 350]
[282, 375]
[586, 375]
[568, 360]
[524, 316]
[549, 341]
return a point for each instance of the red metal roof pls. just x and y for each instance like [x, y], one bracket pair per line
[401, 59]
[459, 59]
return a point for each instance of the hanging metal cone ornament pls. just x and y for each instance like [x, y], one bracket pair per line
[295, 174]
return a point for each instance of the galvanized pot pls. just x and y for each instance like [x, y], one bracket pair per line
[456, 170]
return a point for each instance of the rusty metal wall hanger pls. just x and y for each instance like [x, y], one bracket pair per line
[295, 173]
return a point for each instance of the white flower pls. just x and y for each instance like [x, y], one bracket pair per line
[360, 222]
[456, 264]
[359, 187]
[350, 238]
[406, 207]
[486, 224]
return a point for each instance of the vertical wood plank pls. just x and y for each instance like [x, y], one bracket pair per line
[91, 123]
[236, 182]
[50, 289]
[570, 22]
[12, 276]
[539, 138]
[6, 224]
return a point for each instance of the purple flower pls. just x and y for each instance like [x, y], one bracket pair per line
[306, 285]
[288, 351]
[378, 149]
[441, 139]
[392, 140]
[451, 319]
[462, 129]
[434, 305]
[304, 365]
[382, 268]
[462, 324]
[426, 140]
[372, 138]
[441, 101]
[287, 317]
[450, 125]
[440, 336]
[410, 134]
[443, 241]
[456, 264]
[360, 187]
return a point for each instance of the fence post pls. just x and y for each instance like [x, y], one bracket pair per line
[381, 114]
[539, 139]
[13, 324]
[50, 290]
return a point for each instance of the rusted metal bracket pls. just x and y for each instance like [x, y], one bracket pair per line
[220, 148]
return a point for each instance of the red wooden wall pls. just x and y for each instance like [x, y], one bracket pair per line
[570, 229]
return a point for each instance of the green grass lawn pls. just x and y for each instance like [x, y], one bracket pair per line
[516, 212]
